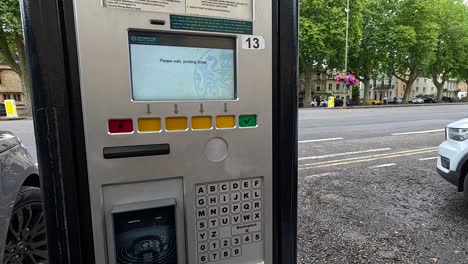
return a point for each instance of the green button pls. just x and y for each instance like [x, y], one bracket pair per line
[248, 120]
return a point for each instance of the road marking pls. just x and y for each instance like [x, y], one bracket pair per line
[382, 166]
[418, 132]
[320, 140]
[320, 175]
[344, 154]
[431, 158]
[366, 158]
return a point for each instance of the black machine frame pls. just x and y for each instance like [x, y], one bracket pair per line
[49, 30]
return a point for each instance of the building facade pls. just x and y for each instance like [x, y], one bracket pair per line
[392, 87]
[324, 85]
[10, 85]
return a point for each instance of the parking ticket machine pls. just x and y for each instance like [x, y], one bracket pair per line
[175, 115]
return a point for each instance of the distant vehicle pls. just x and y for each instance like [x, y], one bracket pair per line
[416, 100]
[375, 102]
[429, 100]
[447, 99]
[452, 162]
[323, 103]
[396, 101]
[2, 109]
[22, 226]
[350, 103]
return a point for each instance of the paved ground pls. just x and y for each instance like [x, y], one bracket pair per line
[371, 193]
[368, 190]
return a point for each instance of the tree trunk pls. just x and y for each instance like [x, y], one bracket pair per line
[366, 91]
[308, 90]
[440, 89]
[409, 88]
[26, 94]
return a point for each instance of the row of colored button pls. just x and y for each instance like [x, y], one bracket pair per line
[148, 125]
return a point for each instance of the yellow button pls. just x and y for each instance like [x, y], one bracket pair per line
[176, 123]
[201, 122]
[228, 121]
[149, 124]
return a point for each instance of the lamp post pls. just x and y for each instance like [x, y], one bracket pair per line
[346, 52]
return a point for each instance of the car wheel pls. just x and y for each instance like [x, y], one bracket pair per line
[465, 187]
[26, 240]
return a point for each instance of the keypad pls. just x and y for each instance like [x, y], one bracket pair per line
[228, 218]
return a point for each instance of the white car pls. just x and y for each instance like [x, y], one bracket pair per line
[452, 163]
[323, 103]
[416, 100]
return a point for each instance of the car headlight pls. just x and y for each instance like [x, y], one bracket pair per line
[457, 134]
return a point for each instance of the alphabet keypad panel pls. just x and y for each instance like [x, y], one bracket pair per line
[229, 218]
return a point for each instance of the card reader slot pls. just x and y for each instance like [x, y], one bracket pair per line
[136, 151]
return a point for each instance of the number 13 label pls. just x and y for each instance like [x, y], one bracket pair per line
[253, 42]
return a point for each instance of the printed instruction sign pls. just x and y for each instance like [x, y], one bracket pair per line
[234, 9]
[163, 6]
[231, 9]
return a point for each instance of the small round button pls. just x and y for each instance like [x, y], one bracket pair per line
[216, 149]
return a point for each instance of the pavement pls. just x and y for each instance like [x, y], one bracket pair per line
[369, 191]
[368, 188]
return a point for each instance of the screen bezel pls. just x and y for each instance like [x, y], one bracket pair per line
[233, 38]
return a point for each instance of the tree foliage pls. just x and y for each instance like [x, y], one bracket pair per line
[12, 50]
[404, 38]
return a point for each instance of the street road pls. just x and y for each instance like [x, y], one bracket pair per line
[368, 188]
[369, 191]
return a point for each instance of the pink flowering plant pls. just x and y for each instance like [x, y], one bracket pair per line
[348, 79]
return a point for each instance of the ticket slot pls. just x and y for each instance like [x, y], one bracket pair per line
[136, 151]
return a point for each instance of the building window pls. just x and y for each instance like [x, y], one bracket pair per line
[370, 86]
[425, 80]
[424, 89]
[432, 89]
[337, 86]
[318, 88]
[330, 86]
[6, 97]
[18, 97]
[330, 76]
[417, 89]
[390, 94]
[318, 76]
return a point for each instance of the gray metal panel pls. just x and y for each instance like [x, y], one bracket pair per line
[105, 80]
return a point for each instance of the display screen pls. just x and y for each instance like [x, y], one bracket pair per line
[146, 236]
[174, 67]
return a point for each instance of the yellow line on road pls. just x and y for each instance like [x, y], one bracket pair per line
[366, 158]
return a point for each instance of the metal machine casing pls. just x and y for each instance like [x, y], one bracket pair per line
[103, 52]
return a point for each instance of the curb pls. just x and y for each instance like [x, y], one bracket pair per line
[382, 106]
[11, 119]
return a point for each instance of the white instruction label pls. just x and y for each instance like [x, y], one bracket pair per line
[163, 6]
[233, 9]
[230, 9]
[253, 42]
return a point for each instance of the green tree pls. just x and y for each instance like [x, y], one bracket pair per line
[322, 37]
[12, 51]
[366, 57]
[451, 35]
[411, 39]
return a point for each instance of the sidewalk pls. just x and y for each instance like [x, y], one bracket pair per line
[383, 106]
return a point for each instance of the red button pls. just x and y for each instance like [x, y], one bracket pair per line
[120, 126]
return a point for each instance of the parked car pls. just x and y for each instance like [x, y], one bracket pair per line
[447, 99]
[395, 101]
[323, 103]
[429, 100]
[22, 226]
[452, 161]
[338, 102]
[2, 109]
[375, 102]
[416, 100]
